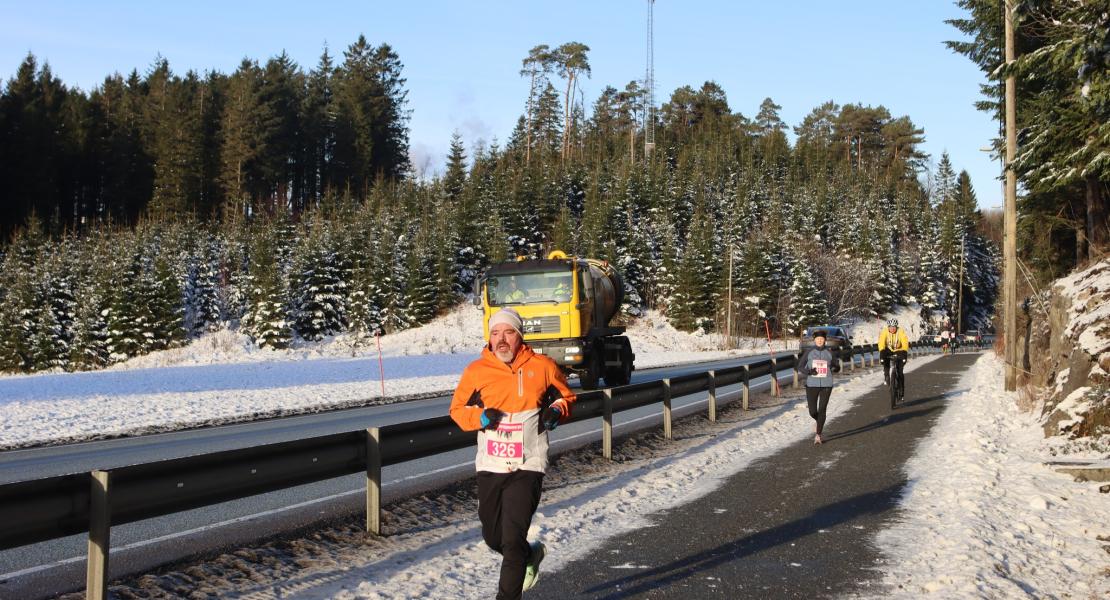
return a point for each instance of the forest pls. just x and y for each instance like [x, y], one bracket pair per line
[281, 203]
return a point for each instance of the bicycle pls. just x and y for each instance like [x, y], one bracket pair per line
[897, 381]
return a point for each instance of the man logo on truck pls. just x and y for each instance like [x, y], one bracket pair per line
[533, 325]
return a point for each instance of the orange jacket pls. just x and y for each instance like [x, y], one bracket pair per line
[514, 388]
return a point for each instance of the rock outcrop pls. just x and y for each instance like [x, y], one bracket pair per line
[1067, 352]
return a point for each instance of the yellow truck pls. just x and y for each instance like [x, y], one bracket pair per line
[566, 304]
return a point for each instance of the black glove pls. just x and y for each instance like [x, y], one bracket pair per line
[811, 371]
[836, 369]
[490, 418]
[551, 416]
[476, 400]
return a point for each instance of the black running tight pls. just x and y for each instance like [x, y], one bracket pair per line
[818, 398]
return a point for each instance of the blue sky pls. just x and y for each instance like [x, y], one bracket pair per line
[462, 58]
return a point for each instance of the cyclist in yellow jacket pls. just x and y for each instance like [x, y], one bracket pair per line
[893, 341]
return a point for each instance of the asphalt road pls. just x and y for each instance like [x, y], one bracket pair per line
[38, 570]
[797, 524]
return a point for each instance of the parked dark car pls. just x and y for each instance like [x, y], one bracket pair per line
[835, 336]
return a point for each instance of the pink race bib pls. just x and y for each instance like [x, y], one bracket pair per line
[822, 367]
[506, 443]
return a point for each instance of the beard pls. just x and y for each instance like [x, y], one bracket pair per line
[504, 353]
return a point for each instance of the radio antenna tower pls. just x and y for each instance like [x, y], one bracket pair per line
[649, 85]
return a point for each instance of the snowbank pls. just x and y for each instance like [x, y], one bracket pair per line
[223, 378]
[867, 331]
[984, 517]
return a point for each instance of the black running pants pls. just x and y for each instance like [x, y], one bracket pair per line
[902, 355]
[506, 503]
[818, 399]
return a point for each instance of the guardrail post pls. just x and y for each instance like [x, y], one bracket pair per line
[712, 396]
[100, 530]
[667, 408]
[374, 481]
[774, 376]
[797, 359]
[607, 425]
[747, 387]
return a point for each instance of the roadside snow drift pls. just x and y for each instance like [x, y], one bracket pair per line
[984, 517]
[223, 378]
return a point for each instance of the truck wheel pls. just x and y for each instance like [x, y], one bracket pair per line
[592, 375]
[622, 375]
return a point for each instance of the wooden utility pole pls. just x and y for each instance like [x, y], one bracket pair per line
[1010, 245]
[960, 302]
[728, 319]
[649, 85]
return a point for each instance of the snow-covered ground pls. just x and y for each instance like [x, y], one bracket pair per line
[434, 547]
[867, 331]
[224, 378]
[981, 518]
[986, 518]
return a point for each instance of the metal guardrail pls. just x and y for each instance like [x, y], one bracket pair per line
[45, 509]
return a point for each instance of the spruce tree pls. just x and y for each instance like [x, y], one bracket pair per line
[454, 181]
[318, 288]
[126, 322]
[266, 319]
[807, 304]
[167, 304]
[203, 312]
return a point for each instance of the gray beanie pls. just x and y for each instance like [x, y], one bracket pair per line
[509, 317]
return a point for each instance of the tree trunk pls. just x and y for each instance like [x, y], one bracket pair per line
[528, 122]
[566, 118]
[1078, 210]
[1097, 235]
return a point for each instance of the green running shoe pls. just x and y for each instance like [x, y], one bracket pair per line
[532, 569]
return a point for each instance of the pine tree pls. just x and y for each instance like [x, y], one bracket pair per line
[243, 141]
[167, 305]
[318, 288]
[266, 318]
[695, 301]
[807, 304]
[366, 292]
[203, 294]
[126, 322]
[420, 284]
[454, 181]
[90, 337]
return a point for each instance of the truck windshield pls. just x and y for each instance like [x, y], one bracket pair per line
[529, 288]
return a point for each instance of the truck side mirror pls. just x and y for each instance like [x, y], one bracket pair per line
[478, 283]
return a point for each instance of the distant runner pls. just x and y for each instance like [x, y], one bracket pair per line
[513, 396]
[818, 364]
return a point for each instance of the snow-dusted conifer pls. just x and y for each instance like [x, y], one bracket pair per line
[167, 306]
[807, 304]
[318, 288]
[125, 321]
[203, 294]
[266, 319]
